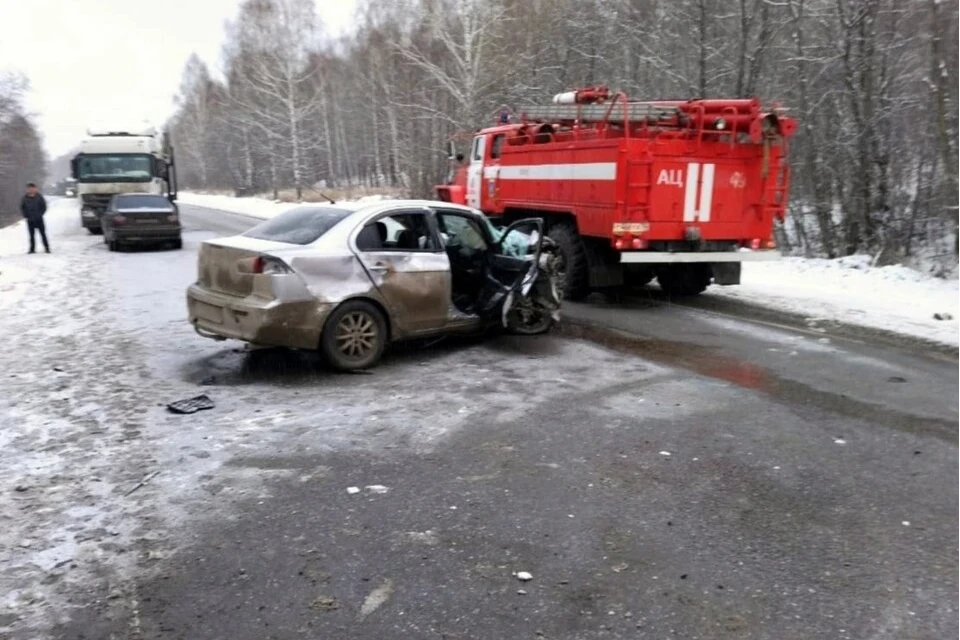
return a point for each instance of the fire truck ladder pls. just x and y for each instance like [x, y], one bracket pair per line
[608, 112]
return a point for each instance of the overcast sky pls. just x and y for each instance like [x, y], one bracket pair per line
[95, 60]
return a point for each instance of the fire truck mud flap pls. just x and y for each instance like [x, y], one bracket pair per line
[726, 272]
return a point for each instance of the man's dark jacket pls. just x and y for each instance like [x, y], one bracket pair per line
[33, 207]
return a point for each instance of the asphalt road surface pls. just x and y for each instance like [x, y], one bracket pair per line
[660, 471]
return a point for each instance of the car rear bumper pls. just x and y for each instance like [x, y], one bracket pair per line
[259, 321]
[145, 233]
[661, 257]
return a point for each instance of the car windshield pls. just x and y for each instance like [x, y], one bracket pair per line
[120, 167]
[142, 203]
[302, 225]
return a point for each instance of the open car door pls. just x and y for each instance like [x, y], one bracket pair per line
[511, 266]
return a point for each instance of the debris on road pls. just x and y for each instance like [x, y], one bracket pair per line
[191, 405]
[353, 490]
[428, 537]
[376, 598]
[524, 576]
[665, 453]
[145, 480]
[896, 379]
[839, 441]
[942, 316]
[521, 592]
[623, 566]
[325, 603]
[376, 488]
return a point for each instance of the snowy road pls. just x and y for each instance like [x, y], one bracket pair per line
[697, 477]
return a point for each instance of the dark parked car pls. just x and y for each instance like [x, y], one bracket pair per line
[141, 218]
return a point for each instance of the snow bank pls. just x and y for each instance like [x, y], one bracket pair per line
[849, 290]
[253, 207]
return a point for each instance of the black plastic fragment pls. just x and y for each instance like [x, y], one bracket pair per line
[191, 405]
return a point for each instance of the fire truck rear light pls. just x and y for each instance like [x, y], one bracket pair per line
[619, 244]
[770, 244]
[639, 243]
[755, 244]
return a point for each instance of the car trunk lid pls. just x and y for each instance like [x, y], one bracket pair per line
[218, 263]
[147, 217]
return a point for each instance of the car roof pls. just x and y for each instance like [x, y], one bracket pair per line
[361, 210]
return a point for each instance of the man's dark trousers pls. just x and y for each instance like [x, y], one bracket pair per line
[34, 225]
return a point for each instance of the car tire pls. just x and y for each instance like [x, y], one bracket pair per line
[112, 245]
[95, 231]
[572, 275]
[354, 336]
[178, 243]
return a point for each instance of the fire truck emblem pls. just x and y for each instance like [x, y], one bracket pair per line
[737, 181]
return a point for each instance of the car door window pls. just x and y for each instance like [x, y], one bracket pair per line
[461, 232]
[406, 231]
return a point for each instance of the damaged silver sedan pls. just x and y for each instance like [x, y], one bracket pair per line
[350, 278]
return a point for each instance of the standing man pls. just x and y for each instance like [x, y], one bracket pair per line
[33, 206]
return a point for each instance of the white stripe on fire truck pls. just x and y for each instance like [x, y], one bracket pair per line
[579, 171]
[692, 209]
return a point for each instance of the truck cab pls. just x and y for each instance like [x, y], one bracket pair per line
[113, 161]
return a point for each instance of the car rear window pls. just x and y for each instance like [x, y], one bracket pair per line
[302, 225]
[132, 203]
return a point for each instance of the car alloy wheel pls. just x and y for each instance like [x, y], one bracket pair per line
[355, 336]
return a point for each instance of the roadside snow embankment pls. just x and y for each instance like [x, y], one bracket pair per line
[849, 290]
[253, 207]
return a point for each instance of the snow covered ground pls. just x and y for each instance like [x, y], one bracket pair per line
[847, 290]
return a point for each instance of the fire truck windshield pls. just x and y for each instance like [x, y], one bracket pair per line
[121, 167]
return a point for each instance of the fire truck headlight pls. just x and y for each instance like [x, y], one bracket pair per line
[720, 124]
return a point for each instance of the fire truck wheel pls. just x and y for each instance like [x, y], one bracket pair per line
[571, 276]
[684, 279]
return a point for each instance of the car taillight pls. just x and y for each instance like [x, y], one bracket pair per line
[755, 244]
[269, 266]
[619, 244]
[639, 243]
[119, 219]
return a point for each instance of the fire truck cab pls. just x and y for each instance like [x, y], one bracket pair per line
[680, 191]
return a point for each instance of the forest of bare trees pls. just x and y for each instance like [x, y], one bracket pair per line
[873, 83]
[22, 158]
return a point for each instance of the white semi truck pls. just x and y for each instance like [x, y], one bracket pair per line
[115, 160]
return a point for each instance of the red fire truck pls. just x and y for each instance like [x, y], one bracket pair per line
[683, 191]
